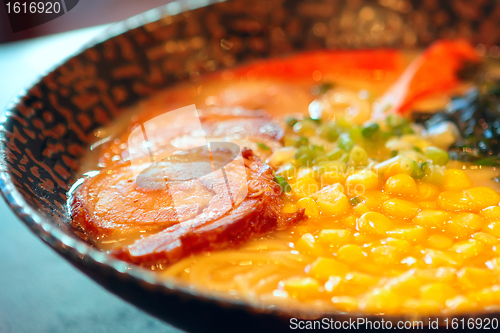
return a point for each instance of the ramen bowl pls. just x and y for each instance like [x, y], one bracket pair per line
[49, 126]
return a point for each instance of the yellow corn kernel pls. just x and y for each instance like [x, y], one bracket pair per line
[473, 278]
[440, 274]
[438, 241]
[335, 204]
[333, 177]
[289, 208]
[349, 222]
[307, 244]
[373, 199]
[436, 258]
[361, 209]
[380, 300]
[353, 283]
[306, 173]
[486, 296]
[360, 279]
[310, 206]
[328, 191]
[494, 263]
[300, 287]
[427, 204]
[350, 253]
[304, 187]
[413, 234]
[405, 284]
[437, 291]
[335, 237]
[362, 238]
[399, 208]
[401, 245]
[433, 219]
[468, 248]
[460, 303]
[464, 224]
[493, 228]
[374, 223]
[491, 213]
[368, 267]
[345, 303]
[456, 180]
[392, 170]
[401, 185]
[362, 181]
[421, 306]
[322, 268]
[427, 192]
[483, 197]
[455, 201]
[485, 239]
[385, 255]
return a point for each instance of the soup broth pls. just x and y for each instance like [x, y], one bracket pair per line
[377, 238]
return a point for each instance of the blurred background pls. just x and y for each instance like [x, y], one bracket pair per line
[86, 13]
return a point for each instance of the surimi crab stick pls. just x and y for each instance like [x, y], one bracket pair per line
[434, 71]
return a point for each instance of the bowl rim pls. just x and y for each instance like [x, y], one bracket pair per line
[73, 248]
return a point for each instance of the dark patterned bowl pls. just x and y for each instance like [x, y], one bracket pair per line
[46, 131]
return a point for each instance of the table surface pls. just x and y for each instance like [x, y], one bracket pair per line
[39, 291]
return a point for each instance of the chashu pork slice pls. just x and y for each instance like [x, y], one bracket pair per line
[175, 208]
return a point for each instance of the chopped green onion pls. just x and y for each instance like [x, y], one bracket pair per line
[356, 134]
[394, 120]
[434, 174]
[304, 160]
[369, 130]
[318, 149]
[358, 156]
[303, 141]
[305, 127]
[285, 187]
[437, 155]
[354, 201]
[263, 146]
[331, 166]
[344, 123]
[406, 130]
[407, 165]
[328, 131]
[305, 156]
[394, 153]
[417, 172]
[335, 154]
[345, 142]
